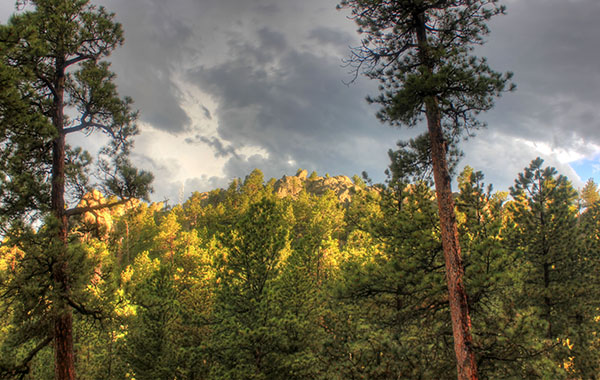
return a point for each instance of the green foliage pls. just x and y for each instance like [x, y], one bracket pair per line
[247, 340]
[559, 284]
[56, 83]
[389, 318]
[53, 51]
[310, 288]
[589, 194]
[411, 162]
[409, 72]
[28, 293]
[420, 52]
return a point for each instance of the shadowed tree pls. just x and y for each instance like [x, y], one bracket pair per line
[54, 49]
[420, 52]
[560, 270]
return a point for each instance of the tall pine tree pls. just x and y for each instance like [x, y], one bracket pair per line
[55, 49]
[419, 50]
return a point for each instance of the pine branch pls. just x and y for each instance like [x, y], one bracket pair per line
[83, 210]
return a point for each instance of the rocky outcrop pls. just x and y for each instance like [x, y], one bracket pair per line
[100, 219]
[291, 186]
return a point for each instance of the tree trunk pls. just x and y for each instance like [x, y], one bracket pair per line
[64, 368]
[457, 297]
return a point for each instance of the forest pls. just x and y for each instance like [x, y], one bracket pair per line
[302, 277]
[243, 283]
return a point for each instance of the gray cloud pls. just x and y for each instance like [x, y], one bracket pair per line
[330, 36]
[291, 103]
[271, 40]
[157, 41]
[207, 113]
[272, 70]
[220, 149]
[552, 48]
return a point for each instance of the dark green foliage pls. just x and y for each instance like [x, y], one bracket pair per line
[24, 156]
[55, 84]
[150, 350]
[559, 285]
[412, 161]
[393, 320]
[545, 219]
[463, 85]
[38, 46]
[247, 338]
[502, 330]
[420, 51]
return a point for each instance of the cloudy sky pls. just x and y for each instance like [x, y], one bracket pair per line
[226, 86]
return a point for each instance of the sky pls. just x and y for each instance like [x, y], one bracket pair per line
[226, 86]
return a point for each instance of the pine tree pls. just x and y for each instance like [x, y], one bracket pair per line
[419, 50]
[559, 278]
[55, 50]
[246, 341]
[589, 194]
[151, 350]
[389, 315]
[502, 331]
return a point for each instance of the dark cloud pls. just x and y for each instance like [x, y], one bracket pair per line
[157, 40]
[207, 113]
[552, 48]
[271, 9]
[272, 74]
[271, 40]
[240, 167]
[330, 36]
[220, 149]
[291, 103]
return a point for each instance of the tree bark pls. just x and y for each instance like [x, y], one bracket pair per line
[457, 296]
[64, 367]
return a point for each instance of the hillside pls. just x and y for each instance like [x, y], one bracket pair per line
[309, 277]
[291, 186]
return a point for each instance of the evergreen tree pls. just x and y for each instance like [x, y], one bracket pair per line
[589, 194]
[55, 50]
[247, 338]
[389, 317]
[419, 50]
[151, 350]
[502, 331]
[559, 278]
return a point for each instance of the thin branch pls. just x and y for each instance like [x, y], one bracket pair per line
[96, 314]
[79, 58]
[23, 369]
[83, 210]
[89, 124]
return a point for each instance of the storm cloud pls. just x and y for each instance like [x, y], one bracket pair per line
[226, 86]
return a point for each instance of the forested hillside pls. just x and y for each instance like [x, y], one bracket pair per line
[303, 277]
[257, 281]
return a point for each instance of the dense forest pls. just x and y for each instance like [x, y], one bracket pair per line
[270, 280]
[303, 277]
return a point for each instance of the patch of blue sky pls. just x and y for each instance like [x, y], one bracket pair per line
[587, 168]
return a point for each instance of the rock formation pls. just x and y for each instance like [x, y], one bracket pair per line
[291, 186]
